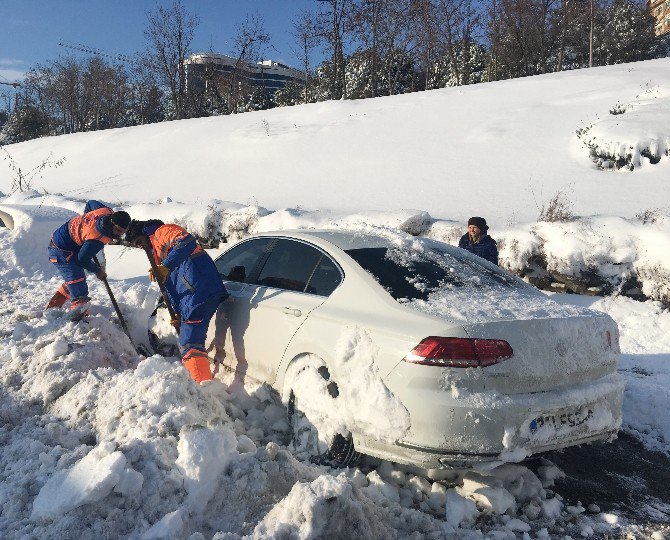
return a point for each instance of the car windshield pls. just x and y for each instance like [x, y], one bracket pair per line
[414, 275]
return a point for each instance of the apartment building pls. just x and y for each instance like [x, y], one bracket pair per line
[660, 9]
[268, 74]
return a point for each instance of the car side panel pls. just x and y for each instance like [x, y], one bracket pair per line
[251, 330]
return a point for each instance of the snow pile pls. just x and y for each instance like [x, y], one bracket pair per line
[348, 395]
[633, 134]
[139, 450]
[371, 406]
[24, 247]
[613, 250]
[89, 481]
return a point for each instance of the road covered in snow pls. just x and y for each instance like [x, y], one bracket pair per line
[98, 442]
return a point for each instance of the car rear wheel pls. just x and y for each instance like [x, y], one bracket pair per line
[318, 429]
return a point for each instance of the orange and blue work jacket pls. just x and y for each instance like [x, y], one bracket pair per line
[193, 280]
[81, 238]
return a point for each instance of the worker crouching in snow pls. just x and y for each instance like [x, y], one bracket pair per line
[192, 283]
[74, 246]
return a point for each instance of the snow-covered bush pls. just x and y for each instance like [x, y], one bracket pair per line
[628, 141]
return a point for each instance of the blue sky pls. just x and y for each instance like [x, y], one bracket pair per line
[30, 30]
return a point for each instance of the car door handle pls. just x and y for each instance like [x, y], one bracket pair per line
[292, 311]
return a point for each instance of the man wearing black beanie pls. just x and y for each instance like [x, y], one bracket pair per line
[477, 241]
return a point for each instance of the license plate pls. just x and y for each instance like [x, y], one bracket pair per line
[560, 419]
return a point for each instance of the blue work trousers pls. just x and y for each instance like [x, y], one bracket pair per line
[73, 274]
[193, 332]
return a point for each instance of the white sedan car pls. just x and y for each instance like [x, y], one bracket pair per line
[412, 350]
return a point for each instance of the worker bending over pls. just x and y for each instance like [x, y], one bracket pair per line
[74, 246]
[192, 283]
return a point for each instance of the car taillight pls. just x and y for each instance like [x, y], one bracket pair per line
[459, 352]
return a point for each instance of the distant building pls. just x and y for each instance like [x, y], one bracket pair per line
[660, 9]
[204, 67]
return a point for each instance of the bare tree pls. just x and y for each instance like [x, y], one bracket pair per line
[250, 38]
[333, 26]
[384, 31]
[306, 34]
[424, 26]
[519, 34]
[366, 22]
[169, 34]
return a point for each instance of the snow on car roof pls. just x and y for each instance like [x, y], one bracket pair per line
[343, 239]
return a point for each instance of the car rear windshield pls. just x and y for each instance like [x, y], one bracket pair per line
[416, 274]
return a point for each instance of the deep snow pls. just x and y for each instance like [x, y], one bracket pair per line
[97, 442]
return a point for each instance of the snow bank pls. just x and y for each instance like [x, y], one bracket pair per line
[604, 254]
[24, 246]
[609, 252]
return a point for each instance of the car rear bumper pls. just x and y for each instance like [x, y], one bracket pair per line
[456, 432]
[438, 459]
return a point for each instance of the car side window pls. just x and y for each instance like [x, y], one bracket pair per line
[238, 263]
[289, 266]
[326, 277]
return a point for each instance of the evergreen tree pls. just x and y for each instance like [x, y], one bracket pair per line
[24, 124]
[629, 34]
[472, 66]
[358, 76]
[258, 100]
[290, 94]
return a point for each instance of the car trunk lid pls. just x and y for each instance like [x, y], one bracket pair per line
[550, 353]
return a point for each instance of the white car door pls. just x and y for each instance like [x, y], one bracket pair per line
[253, 329]
[295, 279]
[228, 327]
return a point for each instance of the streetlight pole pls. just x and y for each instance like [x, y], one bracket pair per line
[591, 38]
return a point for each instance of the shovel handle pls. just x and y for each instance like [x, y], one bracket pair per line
[144, 241]
[111, 297]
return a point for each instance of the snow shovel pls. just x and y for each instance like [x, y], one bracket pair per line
[141, 349]
[144, 241]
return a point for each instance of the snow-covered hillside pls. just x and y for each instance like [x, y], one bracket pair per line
[98, 442]
[499, 150]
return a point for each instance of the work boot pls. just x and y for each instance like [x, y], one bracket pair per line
[79, 308]
[59, 299]
[197, 364]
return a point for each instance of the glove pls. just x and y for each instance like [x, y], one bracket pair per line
[162, 274]
[101, 274]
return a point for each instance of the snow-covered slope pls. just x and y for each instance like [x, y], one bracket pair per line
[96, 442]
[499, 150]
